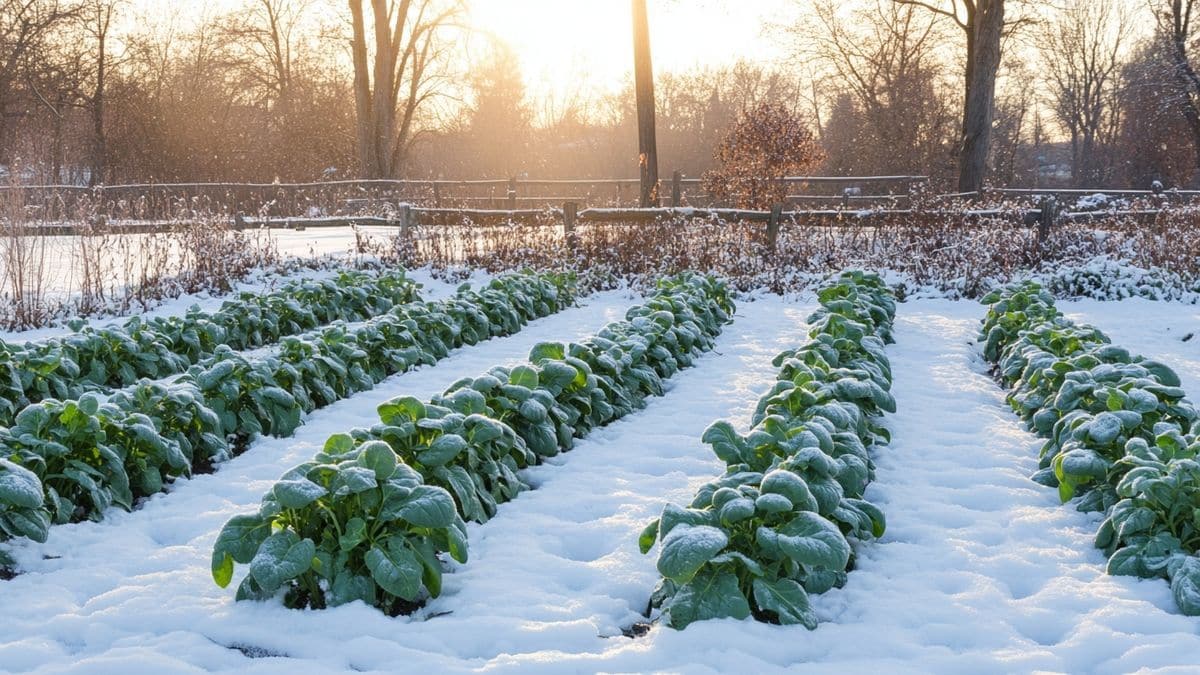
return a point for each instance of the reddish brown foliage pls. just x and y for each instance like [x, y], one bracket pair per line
[767, 143]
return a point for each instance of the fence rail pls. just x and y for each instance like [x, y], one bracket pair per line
[150, 207]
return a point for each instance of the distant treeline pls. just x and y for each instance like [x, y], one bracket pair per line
[290, 90]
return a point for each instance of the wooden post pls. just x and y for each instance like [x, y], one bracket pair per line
[676, 189]
[570, 210]
[1049, 212]
[512, 194]
[643, 75]
[406, 220]
[437, 203]
[773, 227]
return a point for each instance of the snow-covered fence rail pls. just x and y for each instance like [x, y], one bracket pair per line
[408, 216]
[164, 201]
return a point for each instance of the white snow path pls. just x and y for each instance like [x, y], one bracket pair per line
[104, 585]
[1153, 329]
[981, 569]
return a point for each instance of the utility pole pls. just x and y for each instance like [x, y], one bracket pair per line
[643, 75]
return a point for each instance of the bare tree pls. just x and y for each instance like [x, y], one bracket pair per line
[406, 51]
[1175, 21]
[982, 22]
[885, 57]
[97, 18]
[1082, 51]
[270, 33]
[24, 25]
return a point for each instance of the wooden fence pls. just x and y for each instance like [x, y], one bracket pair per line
[406, 203]
[150, 202]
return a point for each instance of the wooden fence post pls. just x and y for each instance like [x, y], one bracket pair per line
[406, 220]
[569, 211]
[676, 190]
[1049, 213]
[512, 194]
[773, 227]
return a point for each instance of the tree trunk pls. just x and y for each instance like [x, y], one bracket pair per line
[99, 142]
[644, 82]
[981, 93]
[365, 119]
[384, 101]
[1191, 84]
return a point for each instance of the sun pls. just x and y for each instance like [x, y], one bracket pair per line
[566, 45]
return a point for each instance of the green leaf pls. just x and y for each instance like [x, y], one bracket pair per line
[544, 351]
[403, 409]
[89, 404]
[222, 569]
[533, 411]
[425, 506]
[351, 480]
[32, 523]
[1104, 428]
[1185, 586]
[809, 540]
[339, 444]
[686, 548]
[442, 450]
[353, 533]
[710, 595]
[787, 600]
[524, 376]
[19, 487]
[378, 457]
[238, 541]
[283, 556]
[736, 510]
[396, 569]
[648, 536]
[348, 587]
[297, 493]
[790, 485]
[725, 442]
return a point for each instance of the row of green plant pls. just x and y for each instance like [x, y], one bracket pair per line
[369, 517]
[119, 355]
[1121, 439]
[67, 461]
[778, 525]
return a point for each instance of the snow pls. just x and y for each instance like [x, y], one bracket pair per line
[1149, 328]
[980, 570]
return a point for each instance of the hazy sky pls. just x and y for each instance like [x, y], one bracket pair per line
[561, 40]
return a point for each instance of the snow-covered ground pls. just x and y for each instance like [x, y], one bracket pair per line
[1166, 331]
[981, 569]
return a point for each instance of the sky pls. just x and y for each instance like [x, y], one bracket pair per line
[561, 41]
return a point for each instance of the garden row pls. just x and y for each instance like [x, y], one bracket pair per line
[67, 461]
[117, 356]
[369, 516]
[1120, 436]
[778, 525]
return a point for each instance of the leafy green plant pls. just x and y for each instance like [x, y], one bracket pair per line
[467, 445]
[117, 356]
[352, 524]
[778, 525]
[89, 456]
[1121, 438]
